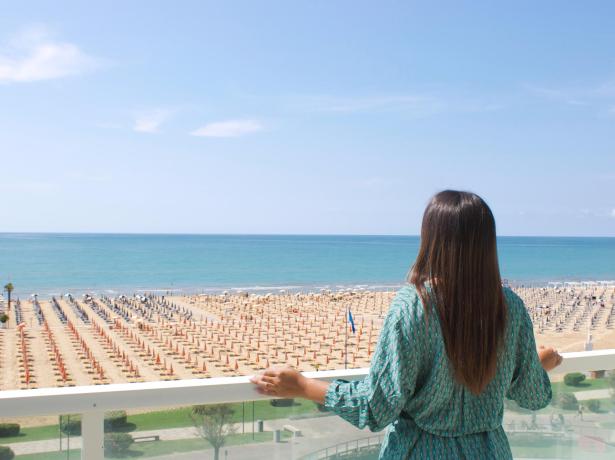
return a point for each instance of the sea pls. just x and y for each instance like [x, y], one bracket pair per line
[55, 264]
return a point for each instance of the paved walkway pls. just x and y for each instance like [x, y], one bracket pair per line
[593, 394]
[50, 445]
[317, 433]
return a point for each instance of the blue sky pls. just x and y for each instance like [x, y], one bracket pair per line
[305, 117]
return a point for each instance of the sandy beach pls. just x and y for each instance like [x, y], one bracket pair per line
[97, 340]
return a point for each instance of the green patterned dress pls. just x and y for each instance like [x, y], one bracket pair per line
[410, 391]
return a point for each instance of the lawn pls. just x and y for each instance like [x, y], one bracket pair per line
[35, 433]
[587, 384]
[263, 410]
[180, 417]
[156, 448]
[73, 454]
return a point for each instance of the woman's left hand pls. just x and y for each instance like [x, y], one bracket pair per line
[284, 382]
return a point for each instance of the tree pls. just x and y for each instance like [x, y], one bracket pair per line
[567, 401]
[213, 423]
[8, 287]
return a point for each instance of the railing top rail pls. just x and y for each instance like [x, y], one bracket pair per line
[83, 399]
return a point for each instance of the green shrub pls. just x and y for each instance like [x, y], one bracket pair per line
[6, 453]
[115, 419]
[117, 444]
[567, 401]
[4, 318]
[593, 405]
[71, 424]
[574, 379]
[282, 402]
[8, 430]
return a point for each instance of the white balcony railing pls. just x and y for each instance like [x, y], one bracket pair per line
[93, 401]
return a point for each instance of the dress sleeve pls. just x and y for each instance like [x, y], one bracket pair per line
[378, 399]
[530, 386]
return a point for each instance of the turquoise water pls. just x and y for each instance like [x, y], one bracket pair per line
[55, 263]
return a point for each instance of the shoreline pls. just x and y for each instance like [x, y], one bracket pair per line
[48, 293]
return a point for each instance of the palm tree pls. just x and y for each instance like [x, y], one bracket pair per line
[9, 288]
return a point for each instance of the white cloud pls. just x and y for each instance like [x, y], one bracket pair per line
[417, 104]
[33, 55]
[566, 95]
[613, 212]
[229, 128]
[150, 121]
[597, 95]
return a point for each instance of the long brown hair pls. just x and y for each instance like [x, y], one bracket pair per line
[458, 259]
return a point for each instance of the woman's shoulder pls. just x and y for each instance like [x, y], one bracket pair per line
[407, 302]
[510, 295]
[408, 295]
[512, 299]
[407, 291]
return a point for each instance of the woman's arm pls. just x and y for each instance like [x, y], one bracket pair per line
[530, 386]
[287, 382]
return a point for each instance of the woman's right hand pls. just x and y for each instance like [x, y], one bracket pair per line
[549, 358]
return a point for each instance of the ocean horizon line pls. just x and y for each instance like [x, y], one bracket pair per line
[392, 235]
